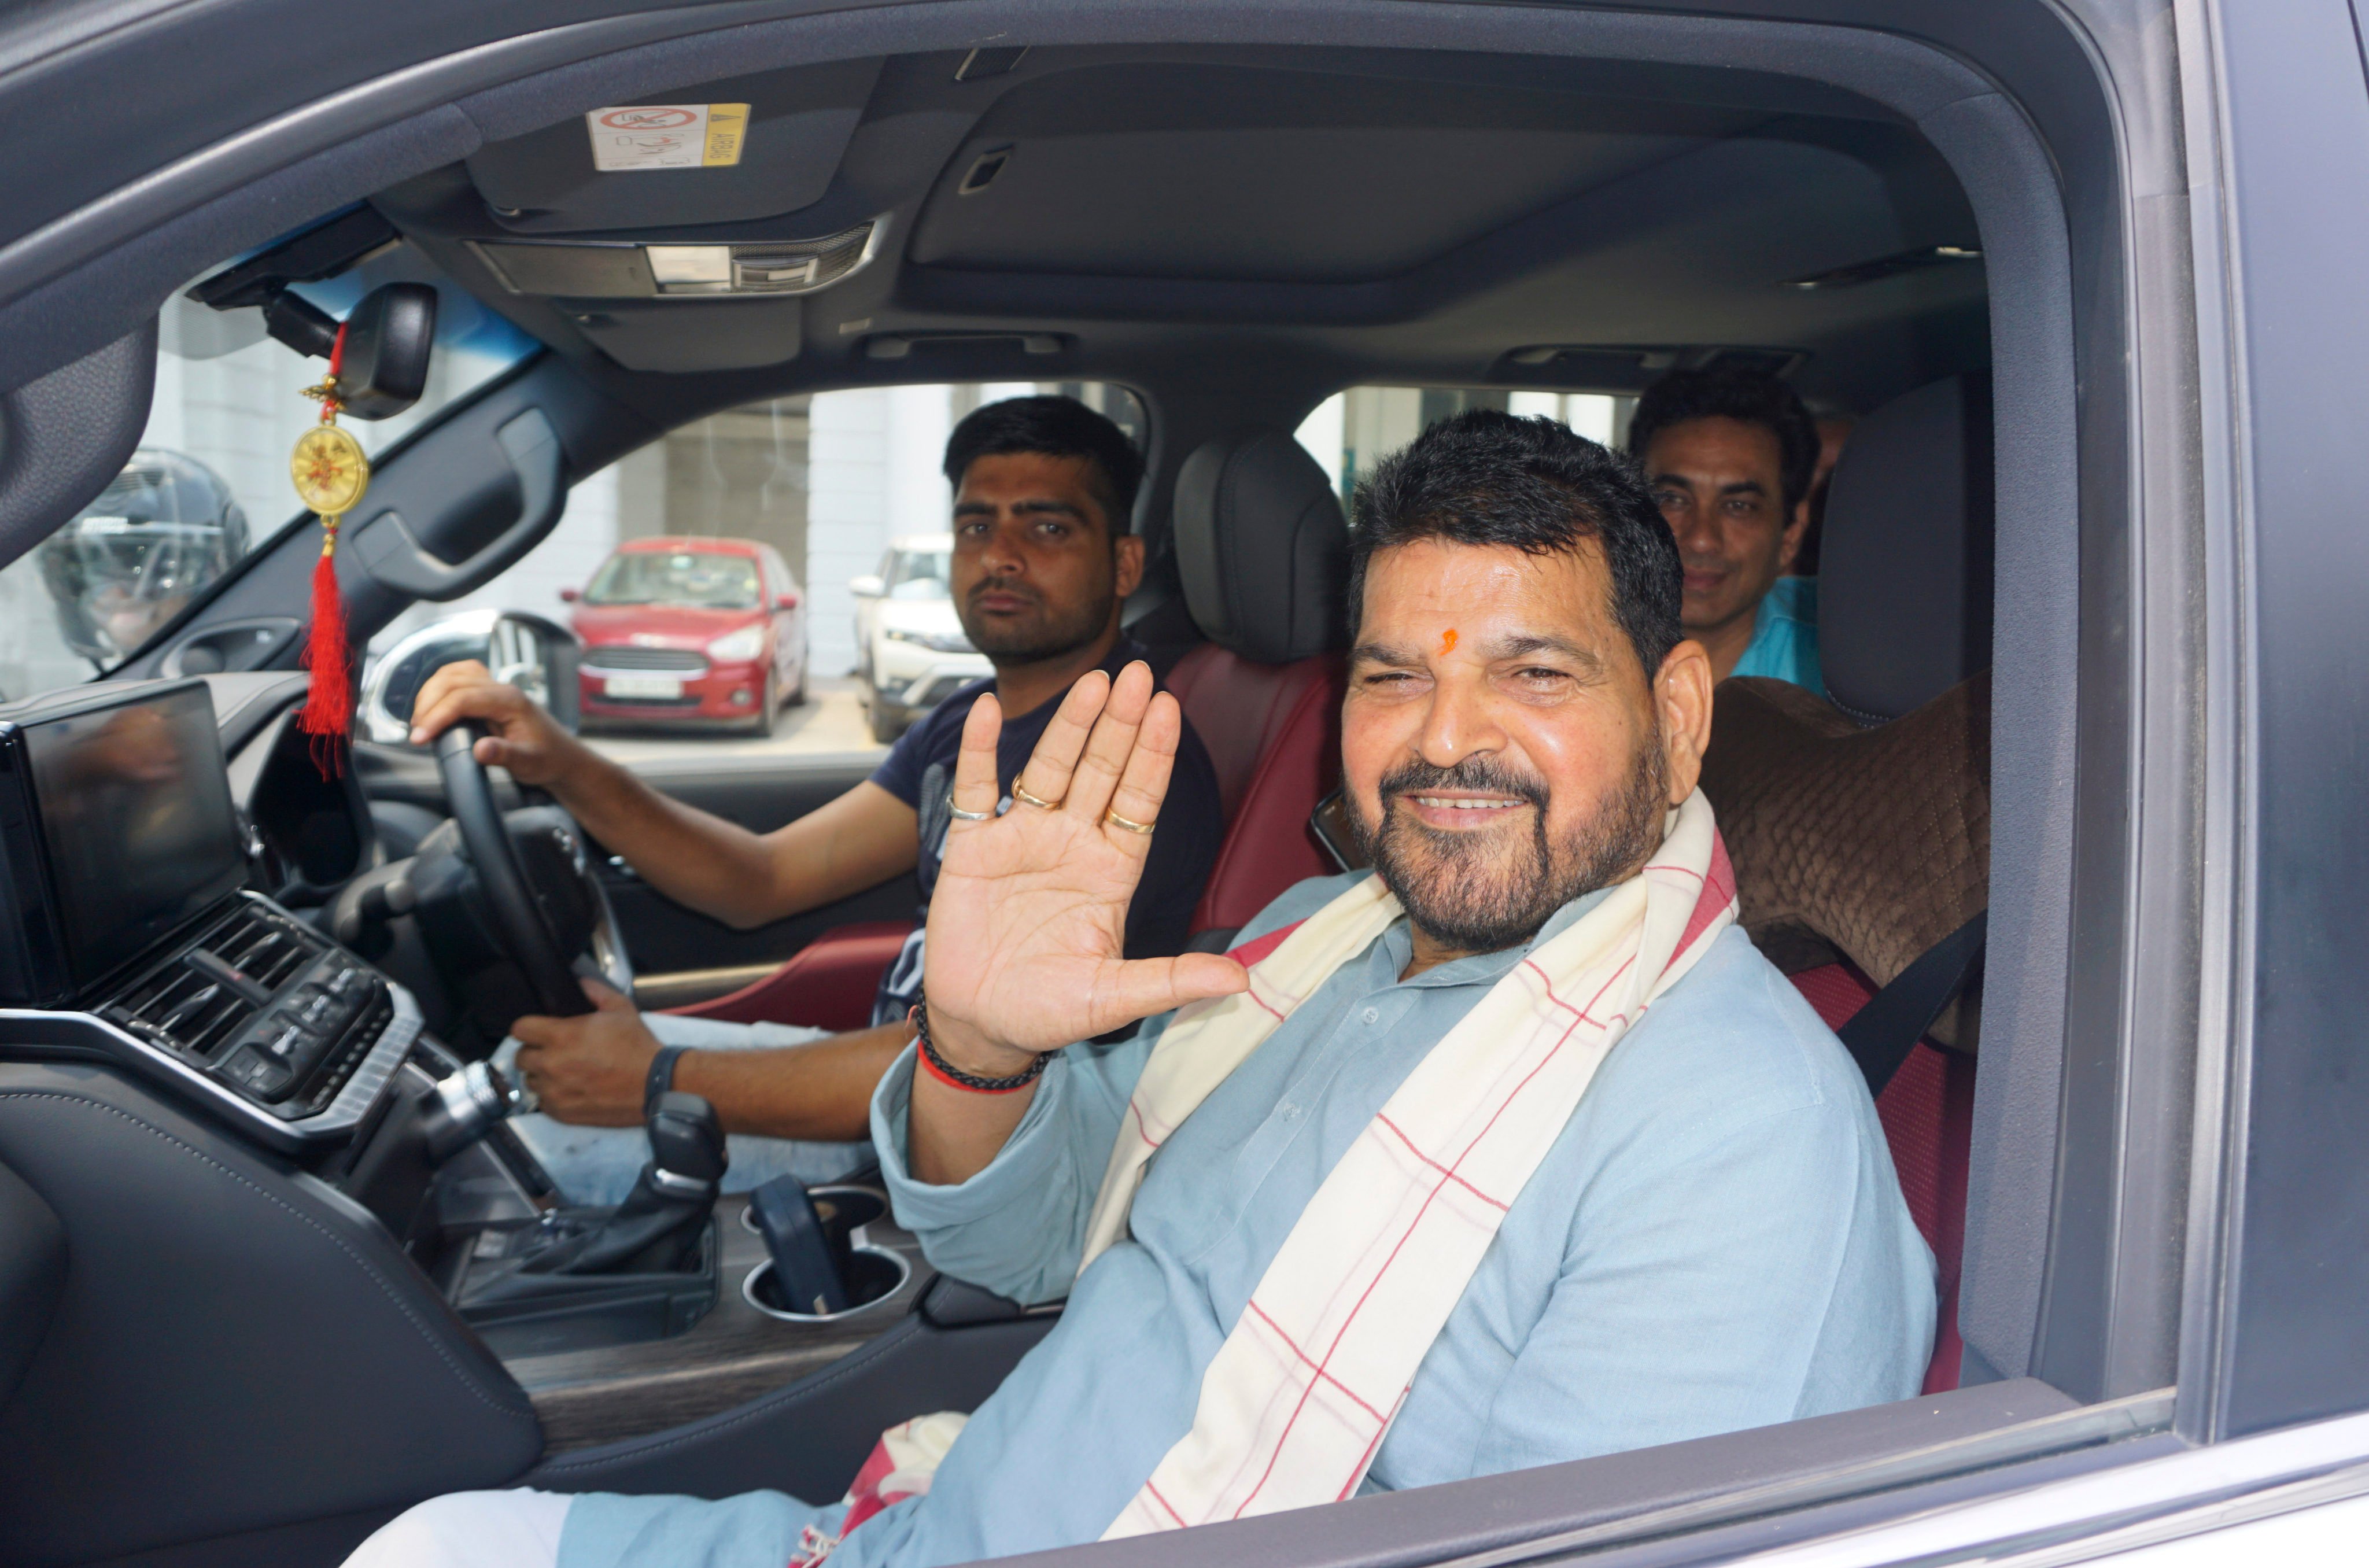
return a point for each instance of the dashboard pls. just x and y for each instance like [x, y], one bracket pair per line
[139, 866]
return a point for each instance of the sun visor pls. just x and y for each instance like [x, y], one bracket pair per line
[665, 170]
[720, 334]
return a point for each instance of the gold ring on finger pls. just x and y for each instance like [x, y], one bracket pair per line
[1116, 820]
[1024, 798]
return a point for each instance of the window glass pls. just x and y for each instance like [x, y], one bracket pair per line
[843, 485]
[704, 579]
[1350, 432]
[208, 481]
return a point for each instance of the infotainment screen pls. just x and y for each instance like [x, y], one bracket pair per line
[135, 814]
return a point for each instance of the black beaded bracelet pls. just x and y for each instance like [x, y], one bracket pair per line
[942, 1069]
[661, 1078]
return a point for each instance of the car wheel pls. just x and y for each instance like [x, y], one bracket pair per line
[768, 706]
[887, 724]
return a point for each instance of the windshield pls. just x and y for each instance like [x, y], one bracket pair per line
[920, 574]
[209, 482]
[700, 579]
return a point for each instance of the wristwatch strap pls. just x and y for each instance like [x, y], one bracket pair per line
[661, 1078]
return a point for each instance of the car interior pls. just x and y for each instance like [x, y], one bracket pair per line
[272, 1269]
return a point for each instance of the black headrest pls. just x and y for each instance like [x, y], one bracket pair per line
[1261, 547]
[1904, 565]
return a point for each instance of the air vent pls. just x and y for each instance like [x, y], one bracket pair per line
[195, 1007]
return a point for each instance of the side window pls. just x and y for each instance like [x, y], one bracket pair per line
[208, 481]
[813, 489]
[1350, 432]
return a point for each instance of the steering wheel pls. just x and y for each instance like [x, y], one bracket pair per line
[524, 929]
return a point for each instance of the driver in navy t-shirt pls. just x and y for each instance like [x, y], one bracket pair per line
[1040, 568]
[920, 771]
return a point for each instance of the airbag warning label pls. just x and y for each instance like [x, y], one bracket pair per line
[668, 136]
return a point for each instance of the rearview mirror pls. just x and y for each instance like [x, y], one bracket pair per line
[388, 338]
[786, 601]
[868, 586]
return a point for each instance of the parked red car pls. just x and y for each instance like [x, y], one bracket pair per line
[708, 632]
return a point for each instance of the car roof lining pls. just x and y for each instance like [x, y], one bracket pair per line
[1241, 191]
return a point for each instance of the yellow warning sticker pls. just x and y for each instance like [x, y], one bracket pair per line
[667, 136]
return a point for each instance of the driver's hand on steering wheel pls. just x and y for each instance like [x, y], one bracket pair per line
[524, 739]
[590, 1069]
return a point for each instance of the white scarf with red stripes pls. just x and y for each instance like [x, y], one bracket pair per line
[1298, 1400]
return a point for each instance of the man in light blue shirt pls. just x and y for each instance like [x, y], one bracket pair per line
[1731, 456]
[1714, 1239]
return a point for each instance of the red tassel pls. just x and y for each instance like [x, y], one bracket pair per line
[329, 714]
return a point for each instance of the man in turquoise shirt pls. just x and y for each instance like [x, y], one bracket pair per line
[1714, 1239]
[1731, 456]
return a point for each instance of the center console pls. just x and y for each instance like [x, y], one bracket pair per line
[132, 937]
[221, 1110]
[279, 1128]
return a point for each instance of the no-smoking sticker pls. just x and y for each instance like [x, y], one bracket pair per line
[667, 136]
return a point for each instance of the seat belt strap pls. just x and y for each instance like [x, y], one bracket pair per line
[1881, 1035]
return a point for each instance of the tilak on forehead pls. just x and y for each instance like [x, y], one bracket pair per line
[1447, 642]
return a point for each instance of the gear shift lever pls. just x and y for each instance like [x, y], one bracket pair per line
[657, 1228]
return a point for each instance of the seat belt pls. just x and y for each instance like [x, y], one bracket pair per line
[1881, 1035]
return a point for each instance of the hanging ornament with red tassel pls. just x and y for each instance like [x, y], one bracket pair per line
[331, 472]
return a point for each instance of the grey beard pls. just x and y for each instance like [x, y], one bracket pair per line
[1477, 898]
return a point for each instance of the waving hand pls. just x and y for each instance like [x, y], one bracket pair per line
[1028, 919]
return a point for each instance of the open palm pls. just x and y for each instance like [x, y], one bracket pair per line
[1028, 917]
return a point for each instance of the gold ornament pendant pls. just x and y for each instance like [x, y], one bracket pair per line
[331, 472]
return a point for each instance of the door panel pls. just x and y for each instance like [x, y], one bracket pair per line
[666, 938]
[760, 794]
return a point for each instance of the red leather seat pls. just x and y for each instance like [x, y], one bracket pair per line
[1282, 724]
[827, 984]
[1261, 551]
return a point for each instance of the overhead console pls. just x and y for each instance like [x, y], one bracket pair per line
[134, 939]
[618, 269]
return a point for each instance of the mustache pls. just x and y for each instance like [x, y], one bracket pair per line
[1003, 585]
[1474, 774]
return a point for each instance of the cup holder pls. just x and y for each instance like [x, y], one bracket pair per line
[871, 1274]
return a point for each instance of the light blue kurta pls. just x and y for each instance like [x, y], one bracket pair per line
[1716, 1242]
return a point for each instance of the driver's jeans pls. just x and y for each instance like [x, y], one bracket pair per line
[599, 1164]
